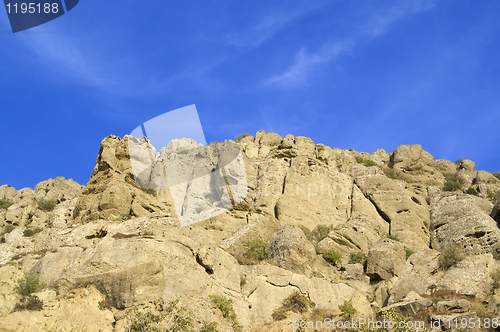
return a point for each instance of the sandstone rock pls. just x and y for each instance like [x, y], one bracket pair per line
[414, 161]
[353, 271]
[455, 306]
[385, 259]
[419, 275]
[446, 166]
[291, 250]
[495, 214]
[411, 305]
[58, 189]
[456, 220]
[358, 234]
[406, 212]
[471, 276]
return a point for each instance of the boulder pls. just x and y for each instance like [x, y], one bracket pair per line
[291, 250]
[385, 260]
[455, 306]
[457, 220]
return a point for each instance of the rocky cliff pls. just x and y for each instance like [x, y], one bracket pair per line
[320, 229]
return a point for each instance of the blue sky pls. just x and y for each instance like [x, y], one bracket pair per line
[348, 74]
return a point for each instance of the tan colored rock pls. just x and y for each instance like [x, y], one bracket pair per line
[291, 250]
[461, 305]
[446, 166]
[58, 189]
[407, 212]
[457, 220]
[471, 276]
[385, 260]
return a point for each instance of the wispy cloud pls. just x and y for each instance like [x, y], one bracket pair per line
[307, 62]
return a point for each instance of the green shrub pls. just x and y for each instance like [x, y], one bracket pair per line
[258, 250]
[5, 203]
[472, 191]
[152, 192]
[31, 303]
[393, 237]
[172, 318]
[242, 136]
[7, 229]
[496, 255]
[144, 321]
[449, 257]
[31, 232]
[279, 313]
[225, 305]
[366, 162]
[47, 205]
[332, 257]
[496, 174]
[409, 252]
[458, 162]
[209, 327]
[321, 231]
[347, 310]
[494, 196]
[307, 232]
[29, 284]
[451, 182]
[395, 174]
[357, 258]
[297, 302]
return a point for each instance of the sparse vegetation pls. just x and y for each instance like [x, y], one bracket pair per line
[47, 205]
[395, 174]
[348, 310]
[148, 233]
[209, 327]
[472, 191]
[366, 162]
[256, 250]
[152, 192]
[173, 318]
[297, 302]
[321, 231]
[32, 231]
[493, 196]
[242, 136]
[5, 203]
[7, 229]
[496, 174]
[225, 305]
[333, 257]
[496, 255]
[243, 282]
[409, 252]
[393, 237]
[458, 162]
[29, 284]
[392, 315]
[357, 258]
[449, 257]
[451, 182]
[31, 303]
[307, 232]
[432, 183]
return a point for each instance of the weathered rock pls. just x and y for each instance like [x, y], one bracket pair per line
[385, 259]
[456, 306]
[291, 250]
[456, 220]
[58, 190]
[446, 166]
[495, 214]
[471, 276]
[358, 234]
[411, 305]
[353, 271]
[407, 212]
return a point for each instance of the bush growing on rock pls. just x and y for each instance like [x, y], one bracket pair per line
[472, 191]
[347, 310]
[225, 305]
[451, 182]
[357, 258]
[31, 303]
[409, 252]
[173, 318]
[242, 136]
[209, 327]
[5, 203]
[256, 250]
[297, 302]
[366, 162]
[47, 205]
[394, 174]
[31, 232]
[333, 257]
[29, 284]
[7, 229]
[496, 174]
[307, 232]
[321, 232]
[449, 257]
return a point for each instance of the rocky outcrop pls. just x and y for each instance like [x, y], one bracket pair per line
[463, 221]
[100, 266]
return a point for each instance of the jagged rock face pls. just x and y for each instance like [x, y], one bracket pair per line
[291, 182]
[112, 190]
[461, 221]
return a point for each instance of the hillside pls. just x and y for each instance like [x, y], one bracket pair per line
[319, 230]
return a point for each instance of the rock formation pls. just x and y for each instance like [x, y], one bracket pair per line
[113, 251]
